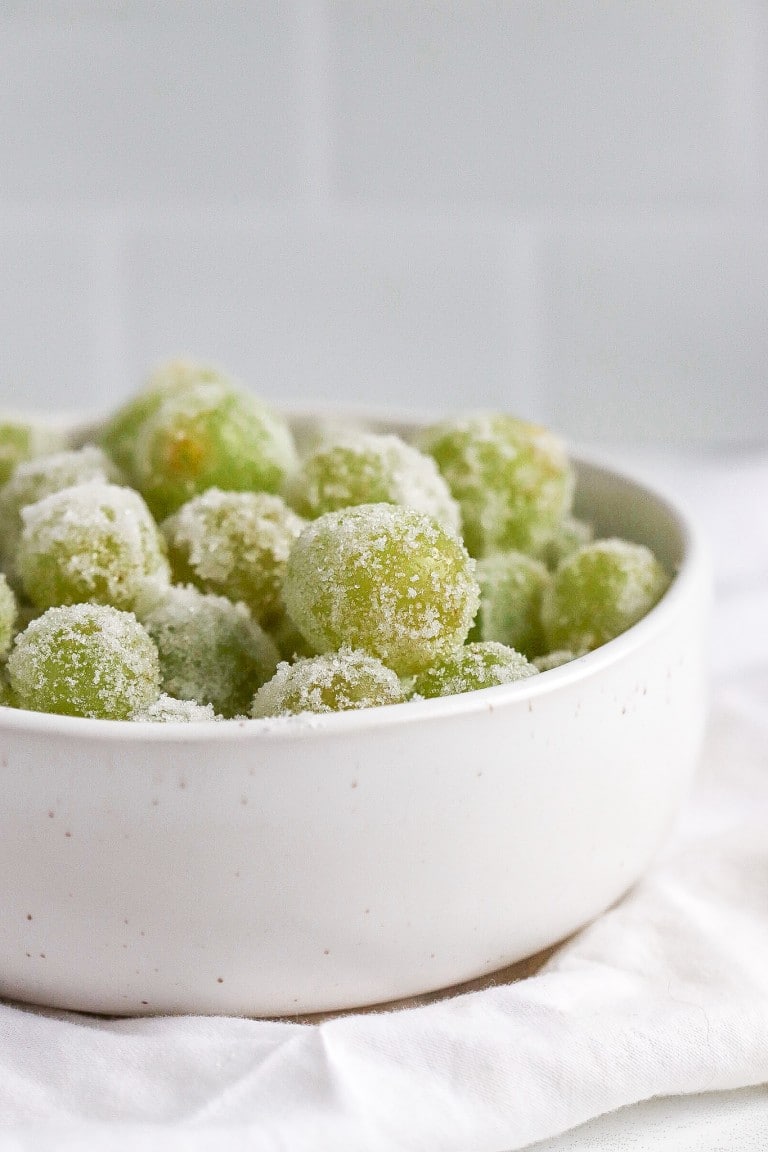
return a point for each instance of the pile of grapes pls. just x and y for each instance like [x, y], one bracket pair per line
[188, 565]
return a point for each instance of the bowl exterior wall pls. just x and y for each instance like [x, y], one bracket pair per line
[274, 876]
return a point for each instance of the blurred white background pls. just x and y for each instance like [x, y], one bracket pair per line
[554, 206]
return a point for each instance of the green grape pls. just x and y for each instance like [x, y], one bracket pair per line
[40, 477]
[555, 659]
[211, 650]
[6, 695]
[479, 665]
[511, 588]
[290, 643]
[512, 480]
[570, 535]
[363, 468]
[235, 544]
[386, 579]
[183, 372]
[167, 710]
[93, 542]
[20, 440]
[8, 614]
[210, 435]
[176, 376]
[337, 682]
[599, 591]
[85, 660]
[26, 613]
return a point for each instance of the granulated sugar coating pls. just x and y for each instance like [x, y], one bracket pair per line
[209, 435]
[338, 682]
[8, 614]
[167, 710]
[118, 436]
[570, 535]
[385, 579]
[598, 592]
[555, 659]
[511, 589]
[235, 544]
[363, 468]
[512, 480]
[475, 666]
[35, 479]
[93, 542]
[85, 660]
[21, 440]
[211, 650]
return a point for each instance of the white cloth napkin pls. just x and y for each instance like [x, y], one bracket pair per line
[665, 994]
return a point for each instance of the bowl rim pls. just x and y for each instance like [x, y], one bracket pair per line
[693, 564]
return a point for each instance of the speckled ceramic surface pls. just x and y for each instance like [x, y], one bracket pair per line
[307, 865]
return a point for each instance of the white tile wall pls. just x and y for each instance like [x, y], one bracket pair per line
[556, 206]
[54, 308]
[566, 103]
[144, 100]
[657, 328]
[353, 311]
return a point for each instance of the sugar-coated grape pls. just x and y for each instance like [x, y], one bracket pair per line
[26, 612]
[571, 534]
[555, 659]
[118, 435]
[478, 665]
[599, 591]
[211, 650]
[511, 589]
[235, 544]
[8, 615]
[337, 682]
[512, 480]
[20, 440]
[93, 542]
[167, 710]
[34, 479]
[85, 660]
[363, 468]
[385, 579]
[211, 435]
[290, 642]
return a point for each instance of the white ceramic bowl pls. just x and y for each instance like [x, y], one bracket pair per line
[286, 867]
